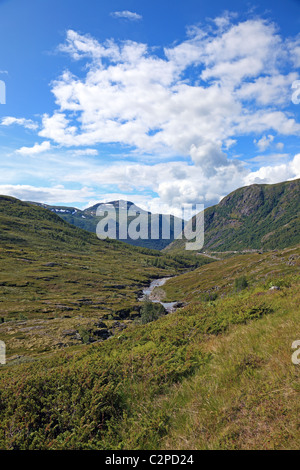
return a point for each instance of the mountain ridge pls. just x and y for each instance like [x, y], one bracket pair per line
[258, 216]
[88, 219]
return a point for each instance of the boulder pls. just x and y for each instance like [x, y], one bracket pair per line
[102, 333]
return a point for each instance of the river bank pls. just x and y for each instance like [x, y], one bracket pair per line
[157, 295]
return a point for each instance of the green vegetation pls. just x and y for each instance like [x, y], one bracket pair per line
[151, 311]
[240, 283]
[259, 217]
[56, 278]
[270, 268]
[215, 374]
[218, 367]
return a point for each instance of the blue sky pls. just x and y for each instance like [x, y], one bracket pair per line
[159, 102]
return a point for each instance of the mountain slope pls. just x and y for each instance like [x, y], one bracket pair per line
[88, 219]
[55, 277]
[213, 375]
[257, 217]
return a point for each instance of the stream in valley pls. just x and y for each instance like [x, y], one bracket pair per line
[147, 293]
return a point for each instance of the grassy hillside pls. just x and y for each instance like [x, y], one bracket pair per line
[257, 217]
[62, 286]
[215, 374]
[217, 280]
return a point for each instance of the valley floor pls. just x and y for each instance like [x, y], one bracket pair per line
[216, 374]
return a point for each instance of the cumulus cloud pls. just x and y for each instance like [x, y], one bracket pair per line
[276, 173]
[162, 187]
[191, 101]
[128, 15]
[133, 97]
[264, 142]
[27, 123]
[36, 149]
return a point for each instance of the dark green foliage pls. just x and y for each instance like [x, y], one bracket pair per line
[208, 296]
[240, 283]
[85, 335]
[151, 311]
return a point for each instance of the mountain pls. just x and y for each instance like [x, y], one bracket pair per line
[88, 220]
[56, 278]
[84, 372]
[215, 374]
[259, 217]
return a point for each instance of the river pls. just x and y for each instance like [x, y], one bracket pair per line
[169, 306]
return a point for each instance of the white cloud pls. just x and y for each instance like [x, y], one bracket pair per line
[27, 123]
[275, 173]
[270, 159]
[269, 90]
[264, 142]
[293, 46]
[36, 149]
[193, 100]
[50, 195]
[133, 97]
[128, 15]
[79, 152]
[173, 183]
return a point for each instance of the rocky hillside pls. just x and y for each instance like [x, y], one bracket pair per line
[259, 216]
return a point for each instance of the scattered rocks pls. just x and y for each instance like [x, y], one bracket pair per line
[63, 307]
[179, 305]
[119, 326]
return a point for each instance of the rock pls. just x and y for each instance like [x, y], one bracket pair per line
[63, 307]
[274, 288]
[69, 332]
[13, 358]
[122, 313]
[103, 333]
[100, 324]
[120, 326]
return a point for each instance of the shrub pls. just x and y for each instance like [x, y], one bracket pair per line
[151, 311]
[240, 283]
[280, 283]
[85, 335]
